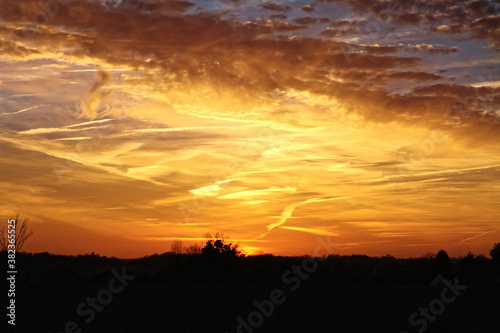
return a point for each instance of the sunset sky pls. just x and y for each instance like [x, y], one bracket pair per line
[374, 124]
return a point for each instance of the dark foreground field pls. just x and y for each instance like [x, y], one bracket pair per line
[215, 309]
[195, 294]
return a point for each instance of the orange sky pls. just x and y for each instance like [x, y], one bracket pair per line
[374, 125]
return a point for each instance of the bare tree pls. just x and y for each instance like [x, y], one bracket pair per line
[22, 232]
[176, 247]
[192, 249]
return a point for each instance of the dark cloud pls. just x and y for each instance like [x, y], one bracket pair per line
[457, 90]
[278, 17]
[307, 8]
[311, 20]
[450, 16]
[271, 26]
[275, 7]
[330, 33]
[487, 27]
[155, 6]
[431, 49]
[374, 79]
[481, 7]
[494, 46]
[354, 27]
[413, 76]
[376, 49]
[388, 49]
[248, 61]
[407, 19]
[444, 50]
[333, 32]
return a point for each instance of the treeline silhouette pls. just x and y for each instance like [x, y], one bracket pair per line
[206, 288]
[215, 267]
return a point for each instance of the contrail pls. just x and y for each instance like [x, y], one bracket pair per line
[27, 109]
[288, 212]
[474, 237]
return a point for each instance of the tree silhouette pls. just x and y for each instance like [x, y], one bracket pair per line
[495, 253]
[218, 245]
[442, 264]
[22, 232]
[176, 247]
[192, 249]
[442, 257]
